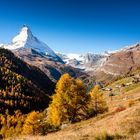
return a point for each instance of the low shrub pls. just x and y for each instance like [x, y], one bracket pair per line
[104, 136]
[107, 136]
[131, 102]
[119, 108]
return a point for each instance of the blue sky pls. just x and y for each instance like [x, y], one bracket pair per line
[74, 25]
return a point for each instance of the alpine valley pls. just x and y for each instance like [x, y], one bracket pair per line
[81, 96]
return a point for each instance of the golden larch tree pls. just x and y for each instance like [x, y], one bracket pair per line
[31, 125]
[97, 102]
[68, 102]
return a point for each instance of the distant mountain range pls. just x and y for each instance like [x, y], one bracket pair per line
[86, 62]
[34, 52]
[114, 63]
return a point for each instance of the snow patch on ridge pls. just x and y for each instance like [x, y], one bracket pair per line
[87, 61]
[1, 45]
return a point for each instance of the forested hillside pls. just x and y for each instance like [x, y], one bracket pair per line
[22, 86]
[11, 62]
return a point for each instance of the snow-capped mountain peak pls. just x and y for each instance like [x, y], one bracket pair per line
[25, 39]
[23, 35]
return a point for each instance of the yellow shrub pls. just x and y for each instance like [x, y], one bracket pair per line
[131, 102]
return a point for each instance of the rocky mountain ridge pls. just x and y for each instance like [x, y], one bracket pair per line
[113, 63]
[34, 52]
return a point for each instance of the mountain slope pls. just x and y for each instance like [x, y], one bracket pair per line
[51, 68]
[123, 61]
[22, 87]
[123, 125]
[121, 122]
[10, 61]
[120, 62]
[117, 124]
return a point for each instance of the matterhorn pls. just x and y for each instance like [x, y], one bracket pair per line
[26, 40]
